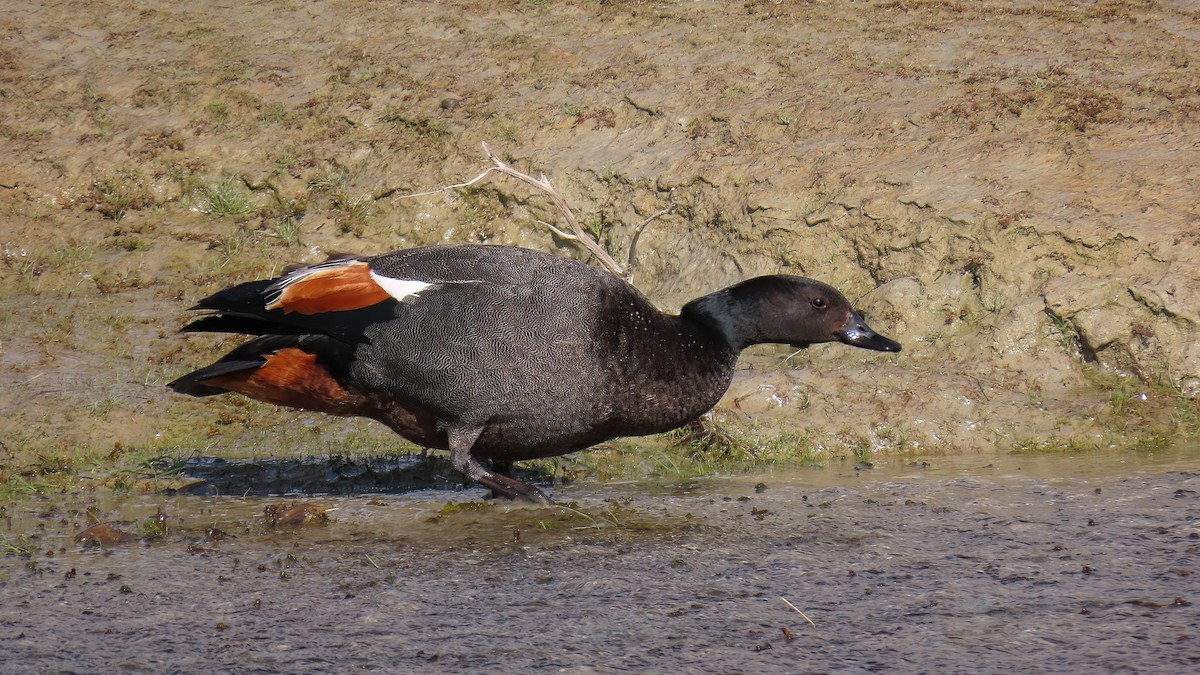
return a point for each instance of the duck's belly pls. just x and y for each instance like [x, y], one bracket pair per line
[533, 439]
[521, 436]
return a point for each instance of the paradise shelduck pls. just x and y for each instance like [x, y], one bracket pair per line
[501, 353]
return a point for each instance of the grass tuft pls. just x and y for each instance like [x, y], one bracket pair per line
[226, 198]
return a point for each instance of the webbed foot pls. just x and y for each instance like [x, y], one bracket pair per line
[461, 441]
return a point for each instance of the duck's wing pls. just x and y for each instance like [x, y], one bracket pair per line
[309, 322]
[499, 265]
[344, 297]
[465, 330]
[339, 298]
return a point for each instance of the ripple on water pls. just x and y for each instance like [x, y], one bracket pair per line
[999, 563]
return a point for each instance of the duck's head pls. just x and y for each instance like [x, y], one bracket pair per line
[788, 310]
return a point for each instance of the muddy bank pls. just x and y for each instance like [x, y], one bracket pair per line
[1006, 188]
[1043, 564]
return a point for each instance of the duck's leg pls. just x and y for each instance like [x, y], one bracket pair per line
[461, 440]
[501, 467]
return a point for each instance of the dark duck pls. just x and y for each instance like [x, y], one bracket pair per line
[498, 353]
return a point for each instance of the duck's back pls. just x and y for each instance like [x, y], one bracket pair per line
[504, 265]
[545, 353]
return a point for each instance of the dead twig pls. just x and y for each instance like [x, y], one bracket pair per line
[581, 236]
[576, 234]
[637, 233]
[388, 193]
[789, 604]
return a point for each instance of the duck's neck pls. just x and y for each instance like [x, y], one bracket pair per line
[671, 370]
[724, 315]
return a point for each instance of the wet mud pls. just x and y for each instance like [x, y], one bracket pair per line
[980, 564]
[215, 476]
[335, 475]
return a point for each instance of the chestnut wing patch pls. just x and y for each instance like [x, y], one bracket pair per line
[289, 377]
[338, 286]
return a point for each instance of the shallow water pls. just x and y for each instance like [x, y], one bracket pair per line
[980, 564]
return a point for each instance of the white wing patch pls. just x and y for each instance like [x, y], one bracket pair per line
[400, 289]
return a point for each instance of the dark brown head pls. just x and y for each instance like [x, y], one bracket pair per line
[788, 310]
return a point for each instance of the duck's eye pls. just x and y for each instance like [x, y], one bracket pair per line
[819, 303]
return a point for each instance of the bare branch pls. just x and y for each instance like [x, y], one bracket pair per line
[565, 235]
[476, 179]
[637, 233]
[581, 236]
[542, 183]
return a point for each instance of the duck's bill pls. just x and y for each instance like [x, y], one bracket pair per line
[856, 332]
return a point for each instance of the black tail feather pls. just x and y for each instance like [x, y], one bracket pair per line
[192, 384]
[242, 309]
[240, 324]
[247, 297]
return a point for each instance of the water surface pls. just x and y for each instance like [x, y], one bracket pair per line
[963, 564]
